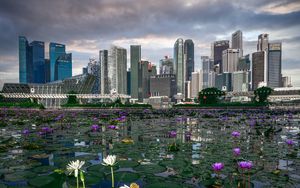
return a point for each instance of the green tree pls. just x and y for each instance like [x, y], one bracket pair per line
[262, 94]
[1, 98]
[72, 99]
[210, 95]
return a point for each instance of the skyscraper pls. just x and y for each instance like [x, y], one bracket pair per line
[263, 42]
[240, 81]
[205, 70]
[47, 70]
[258, 68]
[55, 50]
[144, 72]
[230, 60]
[218, 48]
[38, 62]
[237, 41]
[117, 70]
[189, 58]
[103, 60]
[25, 63]
[166, 66]
[63, 67]
[93, 68]
[135, 58]
[179, 65]
[274, 65]
[196, 83]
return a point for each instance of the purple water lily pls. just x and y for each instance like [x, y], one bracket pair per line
[46, 129]
[289, 142]
[217, 166]
[112, 127]
[25, 132]
[236, 151]
[95, 127]
[235, 134]
[245, 164]
[172, 134]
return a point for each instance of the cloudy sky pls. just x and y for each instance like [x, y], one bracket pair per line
[88, 26]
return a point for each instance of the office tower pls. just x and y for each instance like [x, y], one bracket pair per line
[258, 68]
[38, 62]
[166, 66]
[153, 71]
[218, 48]
[211, 79]
[47, 70]
[25, 61]
[103, 60]
[263, 42]
[240, 81]
[93, 68]
[223, 81]
[63, 67]
[128, 82]
[179, 65]
[189, 58]
[135, 58]
[163, 85]
[230, 60]
[286, 81]
[196, 83]
[117, 70]
[274, 65]
[187, 88]
[237, 41]
[244, 63]
[205, 69]
[55, 51]
[144, 71]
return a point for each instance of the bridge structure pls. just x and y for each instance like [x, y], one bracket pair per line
[56, 100]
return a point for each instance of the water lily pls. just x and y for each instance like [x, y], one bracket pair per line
[25, 132]
[95, 127]
[75, 167]
[112, 127]
[110, 160]
[245, 164]
[218, 166]
[172, 134]
[235, 134]
[289, 142]
[236, 151]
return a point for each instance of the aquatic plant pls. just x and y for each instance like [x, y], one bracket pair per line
[236, 151]
[110, 161]
[235, 134]
[75, 167]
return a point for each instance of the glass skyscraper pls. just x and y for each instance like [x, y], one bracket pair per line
[63, 67]
[23, 59]
[38, 62]
[189, 58]
[179, 65]
[135, 59]
[274, 65]
[55, 50]
[103, 60]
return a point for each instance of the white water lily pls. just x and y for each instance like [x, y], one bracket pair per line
[124, 186]
[110, 160]
[75, 166]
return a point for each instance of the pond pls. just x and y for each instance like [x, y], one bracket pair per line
[154, 148]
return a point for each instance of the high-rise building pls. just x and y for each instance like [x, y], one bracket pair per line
[211, 79]
[55, 51]
[63, 67]
[38, 62]
[47, 70]
[179, 65]
[93, 68]
[166, 66]
[224, 81]
[274, 65]
[258, 68]
[237, 41]
[144, 72]
[117, 70]
[218, 48]
[103, 60]
[135, 58]
[25, 61]
[128, 82]
[196, 83]
[153, 71]
[189, 58]
[240, 81]
[286, 81]
[163, 85]
[205, 70]
[187, 88]
[230, 60]
[244, 63]
[263, 42]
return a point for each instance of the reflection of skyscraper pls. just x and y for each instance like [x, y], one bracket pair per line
[218, 48]
[189, 58]
[55, 50]
[274, 65]
[103, 60]
[166, 66]
[237, 41]
[135, 58]
[117, 70]
[179, 65]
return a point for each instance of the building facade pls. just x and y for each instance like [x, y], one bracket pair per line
[63, 67]
[224, 81]
[179, 65]
[230, 60]
[38, 62]
[237, 41]
[25, 61]
[104, 81]
[196, 83]
[205, 69]
[55, 51]
[135, 58]
[258, 68]
[166, 66]
[274, 65]
[163, 85]
[218, 48]
[240, 81]
[189, 58]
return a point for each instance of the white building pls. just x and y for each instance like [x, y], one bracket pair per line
[240, 81]
[230, 60]
[197, 83]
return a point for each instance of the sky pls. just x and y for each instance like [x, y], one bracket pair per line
[89, 26]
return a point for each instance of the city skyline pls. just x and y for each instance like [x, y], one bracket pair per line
[89, 32]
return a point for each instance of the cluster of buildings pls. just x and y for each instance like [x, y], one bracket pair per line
[175, 78]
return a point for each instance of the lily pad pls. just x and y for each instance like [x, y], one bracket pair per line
[41, 181]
